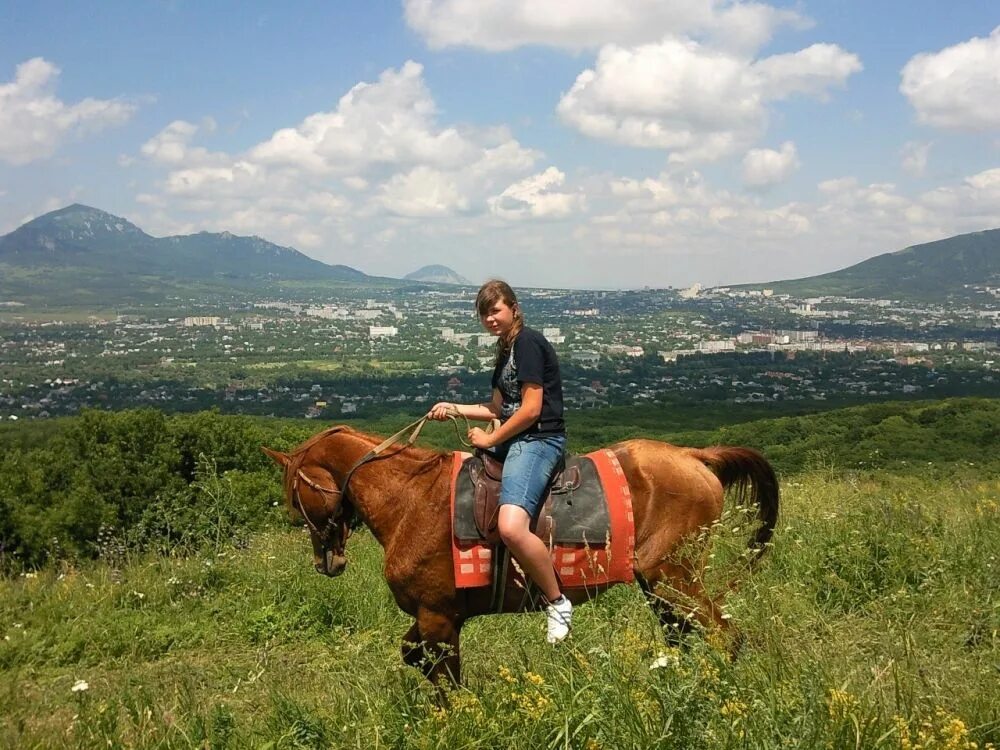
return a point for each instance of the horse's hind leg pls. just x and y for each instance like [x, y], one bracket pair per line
[681, 602]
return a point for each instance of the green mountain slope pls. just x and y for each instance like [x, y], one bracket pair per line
[929, 271]
[82, 254]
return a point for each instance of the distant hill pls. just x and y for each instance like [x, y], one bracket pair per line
[933, 270]
[438, 275]
[85, 237]
[84, 252]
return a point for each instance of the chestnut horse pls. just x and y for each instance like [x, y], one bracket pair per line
[403, 497]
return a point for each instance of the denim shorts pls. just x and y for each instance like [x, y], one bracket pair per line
[527, 469]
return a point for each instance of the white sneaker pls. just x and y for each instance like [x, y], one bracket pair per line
[559, 615]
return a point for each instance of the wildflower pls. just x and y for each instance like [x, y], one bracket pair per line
[534, 679]
[666, 659]
[734, 709]
[80, 686]
[505, 674]
[841, 703]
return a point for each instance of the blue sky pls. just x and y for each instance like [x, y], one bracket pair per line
[599, 143]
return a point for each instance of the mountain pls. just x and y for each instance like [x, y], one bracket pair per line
[82, 237]
[437, 275]
[933, 270]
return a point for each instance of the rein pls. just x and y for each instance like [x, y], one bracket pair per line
[344, 491]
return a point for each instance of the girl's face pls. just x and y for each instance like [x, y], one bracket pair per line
[499, 318]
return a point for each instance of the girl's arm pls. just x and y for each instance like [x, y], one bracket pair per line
[526, 415]
[481, 412]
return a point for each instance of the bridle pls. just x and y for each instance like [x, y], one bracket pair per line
[345, 516]
[342, 516]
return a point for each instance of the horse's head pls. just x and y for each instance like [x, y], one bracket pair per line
[312, 493]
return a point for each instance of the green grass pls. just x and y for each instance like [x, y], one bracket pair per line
[875, 616]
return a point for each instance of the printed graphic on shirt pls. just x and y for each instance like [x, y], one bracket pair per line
[509, 388]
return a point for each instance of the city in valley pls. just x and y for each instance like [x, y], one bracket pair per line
[365, 352]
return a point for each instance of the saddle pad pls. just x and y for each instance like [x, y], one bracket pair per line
[578, 565]
[577, 517]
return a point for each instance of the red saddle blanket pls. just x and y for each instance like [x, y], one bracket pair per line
[578, 565]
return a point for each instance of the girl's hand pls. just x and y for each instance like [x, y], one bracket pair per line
[480, 438]
[441, 410]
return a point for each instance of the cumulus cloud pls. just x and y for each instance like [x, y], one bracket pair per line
[958, 87]
[342, 177]
[697, 102]
[391, 121]
[423, 192]
[537, 197]
[497, 25]
[810, 71]
[34, 123]
[913, 157]
[172, 144]
[763, 167]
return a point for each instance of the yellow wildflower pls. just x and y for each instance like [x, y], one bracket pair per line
[734, 709]
[841, 703]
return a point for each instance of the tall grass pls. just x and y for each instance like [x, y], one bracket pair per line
[872, 623]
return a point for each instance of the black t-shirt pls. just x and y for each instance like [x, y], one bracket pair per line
[532, 360]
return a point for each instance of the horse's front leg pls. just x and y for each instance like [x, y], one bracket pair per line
[439, 635]
[413, 650]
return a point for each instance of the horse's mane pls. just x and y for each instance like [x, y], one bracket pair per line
[426, 456]
[301, 448]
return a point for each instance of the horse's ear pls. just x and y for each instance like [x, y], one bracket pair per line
[277, 456]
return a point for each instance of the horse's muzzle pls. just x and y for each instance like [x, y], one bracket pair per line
[330, 564]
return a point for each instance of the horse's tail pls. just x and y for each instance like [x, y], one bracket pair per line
[754, 481]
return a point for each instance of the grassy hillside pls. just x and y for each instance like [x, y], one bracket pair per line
[929, 271]
[873, 623]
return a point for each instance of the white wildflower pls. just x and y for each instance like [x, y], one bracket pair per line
[80, 685]
[665, 661]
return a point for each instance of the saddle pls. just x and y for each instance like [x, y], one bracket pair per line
[574, 511]
[586, 523]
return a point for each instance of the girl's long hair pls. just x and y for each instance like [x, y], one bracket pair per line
[489, 294]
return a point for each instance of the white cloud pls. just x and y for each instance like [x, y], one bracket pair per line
[172, 144]
[697, 102]
[389, 122]
[496, 25]
[356, 183]
[763, 167]
[34, 123]
[913, 157]
[341, 177]
[536, 197]
[958, 87]
[810, 71]
[422, 192]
